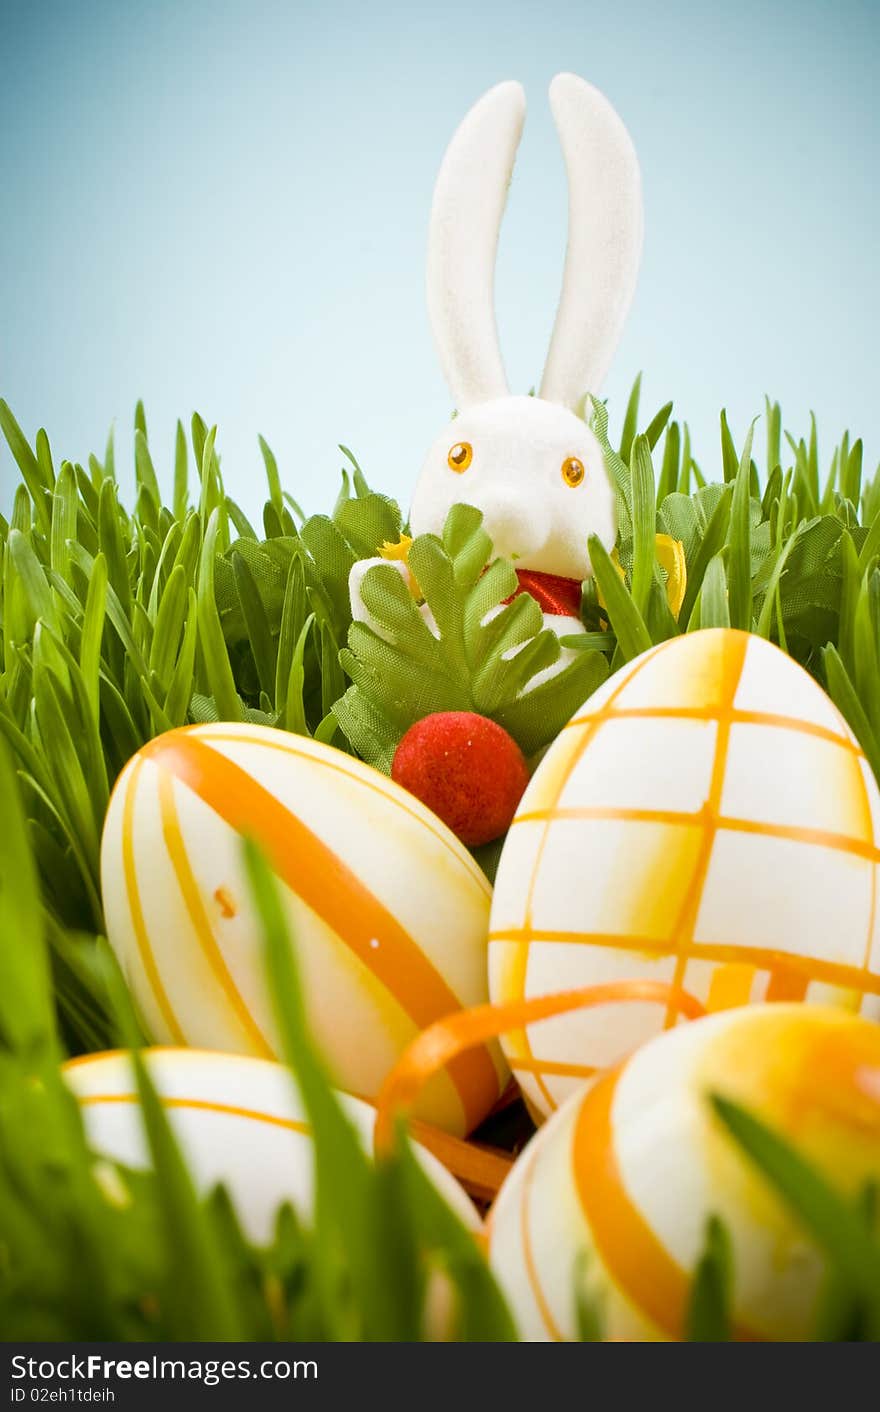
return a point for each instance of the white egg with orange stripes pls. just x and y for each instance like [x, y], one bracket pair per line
[239, 1121]
[387, 910]
[706, 819]
[613, 1194]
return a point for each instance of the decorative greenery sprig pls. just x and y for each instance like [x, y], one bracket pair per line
[481, 655]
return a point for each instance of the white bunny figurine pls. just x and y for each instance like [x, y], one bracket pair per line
[531, 464]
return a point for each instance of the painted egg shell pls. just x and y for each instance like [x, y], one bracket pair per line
[616, 1189]
[707, 818]
[388, 911]
[238, 1121]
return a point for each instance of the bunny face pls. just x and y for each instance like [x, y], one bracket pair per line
[537, 473]
[508, 455]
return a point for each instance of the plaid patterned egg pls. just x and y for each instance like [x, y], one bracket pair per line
[706, 819]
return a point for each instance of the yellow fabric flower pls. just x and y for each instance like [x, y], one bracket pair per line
[670, 557]
[400, 552]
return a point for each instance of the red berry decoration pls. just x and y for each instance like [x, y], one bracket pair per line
[467, 769]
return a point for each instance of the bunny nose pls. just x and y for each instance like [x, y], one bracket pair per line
[518, 526]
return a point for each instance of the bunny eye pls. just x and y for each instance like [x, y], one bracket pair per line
[573, 471]
[460, 456]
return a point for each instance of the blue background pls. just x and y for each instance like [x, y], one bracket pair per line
[224, 207]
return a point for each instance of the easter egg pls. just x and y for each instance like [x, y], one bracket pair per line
[614, 1193]
[387, 911]
[706, 819]
[239, 1121]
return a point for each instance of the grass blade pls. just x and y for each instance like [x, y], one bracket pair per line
[714, 609]
[221, 680]
[180, 691]
[835, 1224]
[630, 420]
[272, 477]
[739, 562]
[644, 523]
[629, 627]
[708, 1314]
[31, 471]
[712, 542]
[26, 1019]
[92, 635]
[654, 430]
[181, 473]
[145, 473]
[259, 632]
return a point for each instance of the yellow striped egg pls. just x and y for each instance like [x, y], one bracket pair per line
[239, 1121]
[708, 819]
[388, 911]
[614, 1193]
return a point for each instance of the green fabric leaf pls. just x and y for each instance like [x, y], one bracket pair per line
[481, 654]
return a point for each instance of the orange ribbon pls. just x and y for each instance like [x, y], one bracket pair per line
[444, 1040]
[480, 1169]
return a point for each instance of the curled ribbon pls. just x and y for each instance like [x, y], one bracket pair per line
[483, 1169]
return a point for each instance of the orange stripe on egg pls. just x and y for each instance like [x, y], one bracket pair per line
[519, 1039]
[392, 793]
[787, 984]
[862, 847]
[334, 893]
[142, 938]
[198, 915]
[556, 1067]
[525, 1232]
[605, 813]
[737, 717]
[637, 1262]
[200, 1105]
[869, 833]
[794, 833]
[730, 987]
[835, 973]
[480, 1169]
[733, 659]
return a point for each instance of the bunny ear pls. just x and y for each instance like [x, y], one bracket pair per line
[469, 199]
[605, 226]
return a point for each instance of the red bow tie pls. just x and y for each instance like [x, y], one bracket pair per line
[553, 593]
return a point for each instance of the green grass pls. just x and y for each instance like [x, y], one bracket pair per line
[76, 1262]
[117, 624]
